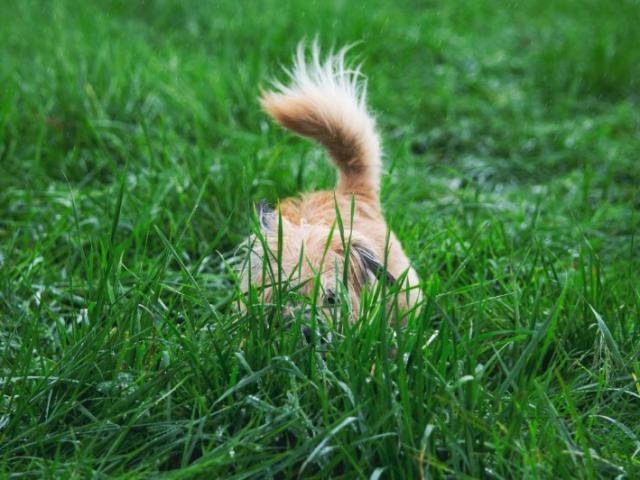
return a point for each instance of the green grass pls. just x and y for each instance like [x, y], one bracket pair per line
[132, 149]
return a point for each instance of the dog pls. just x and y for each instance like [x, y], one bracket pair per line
[331, 245]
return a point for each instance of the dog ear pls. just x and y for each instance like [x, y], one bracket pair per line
[265, 215]
[372, 264]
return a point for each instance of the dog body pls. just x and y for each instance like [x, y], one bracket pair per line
[325, 102]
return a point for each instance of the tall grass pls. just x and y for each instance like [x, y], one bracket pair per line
[133, 150]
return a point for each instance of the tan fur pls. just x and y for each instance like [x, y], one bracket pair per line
[325, 102]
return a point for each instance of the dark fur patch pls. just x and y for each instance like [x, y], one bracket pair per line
[372, 264]
[265, 214]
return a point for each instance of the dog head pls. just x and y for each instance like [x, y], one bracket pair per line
[311, 261]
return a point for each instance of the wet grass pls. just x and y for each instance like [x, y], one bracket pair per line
[133, 150]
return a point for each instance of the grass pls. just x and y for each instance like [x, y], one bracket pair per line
[132, 151]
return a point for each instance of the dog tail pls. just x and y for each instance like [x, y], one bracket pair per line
[325, 101]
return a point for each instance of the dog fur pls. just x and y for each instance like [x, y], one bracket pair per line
[325, 100]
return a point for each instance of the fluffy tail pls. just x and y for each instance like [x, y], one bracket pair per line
[325, 101]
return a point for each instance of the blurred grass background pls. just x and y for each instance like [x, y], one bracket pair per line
[132, 149]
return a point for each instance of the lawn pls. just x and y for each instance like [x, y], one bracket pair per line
[132, 151]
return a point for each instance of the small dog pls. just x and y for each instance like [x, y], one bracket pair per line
[325, 101]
